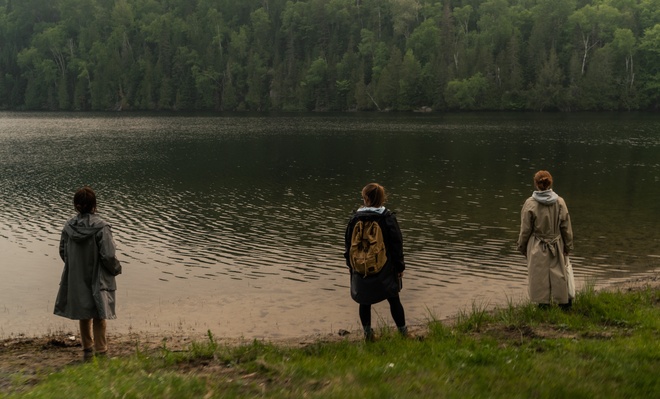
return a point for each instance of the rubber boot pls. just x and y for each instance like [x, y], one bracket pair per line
[566, 306]
[369, 335]
[403, 330]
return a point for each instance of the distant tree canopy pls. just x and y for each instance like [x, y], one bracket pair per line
[288, 55]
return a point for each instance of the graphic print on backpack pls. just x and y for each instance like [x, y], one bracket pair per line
[367, 253]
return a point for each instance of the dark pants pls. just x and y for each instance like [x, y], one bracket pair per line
[396, 308]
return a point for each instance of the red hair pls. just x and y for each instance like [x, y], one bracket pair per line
[543, 180]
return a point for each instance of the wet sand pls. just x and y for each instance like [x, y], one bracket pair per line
[34, 355]
[232, 309]
[271, 308]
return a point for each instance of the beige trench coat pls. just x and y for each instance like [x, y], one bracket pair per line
[546, 236]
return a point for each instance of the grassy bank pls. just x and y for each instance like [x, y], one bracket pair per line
[607, 346]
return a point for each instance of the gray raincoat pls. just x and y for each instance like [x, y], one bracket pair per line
[87, 288]
[545, 237]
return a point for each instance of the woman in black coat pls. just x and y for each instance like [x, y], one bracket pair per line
[368, 289]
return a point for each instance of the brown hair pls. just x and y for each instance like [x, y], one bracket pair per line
[374, 195]
[84, 200]
[543, 180]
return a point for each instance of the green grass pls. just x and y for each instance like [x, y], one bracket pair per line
[606, 347]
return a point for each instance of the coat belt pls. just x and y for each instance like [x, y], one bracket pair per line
[549, 243]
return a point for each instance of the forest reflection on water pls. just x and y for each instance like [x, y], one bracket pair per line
[207, 204]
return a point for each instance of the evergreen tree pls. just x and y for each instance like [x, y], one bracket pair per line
[329, 54]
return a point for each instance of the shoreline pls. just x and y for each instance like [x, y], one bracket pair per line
[31, 355]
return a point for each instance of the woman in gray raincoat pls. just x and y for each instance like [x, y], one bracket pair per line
[87, 288]
[546, 238]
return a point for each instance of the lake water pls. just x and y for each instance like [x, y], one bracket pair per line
[235, 223]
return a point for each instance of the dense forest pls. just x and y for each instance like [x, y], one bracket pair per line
[335, 55]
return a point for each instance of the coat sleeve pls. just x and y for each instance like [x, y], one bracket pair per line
[107, 254]
[565, 227]
[526, 228]
[395, 243]
[64, 238]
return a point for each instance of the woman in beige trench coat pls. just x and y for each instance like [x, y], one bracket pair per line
[546, 238]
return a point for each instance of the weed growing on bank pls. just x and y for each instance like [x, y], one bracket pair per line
[607, 346]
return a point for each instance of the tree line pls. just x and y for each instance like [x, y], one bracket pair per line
[335, 55]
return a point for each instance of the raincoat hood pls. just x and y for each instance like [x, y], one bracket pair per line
[84, 226]
[547, 197]
[372, 209]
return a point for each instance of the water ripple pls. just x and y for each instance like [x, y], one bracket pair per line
[249, 199]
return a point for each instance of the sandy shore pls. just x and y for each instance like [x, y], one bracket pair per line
[32, 355]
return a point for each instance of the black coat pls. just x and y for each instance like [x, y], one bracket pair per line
[385, 284]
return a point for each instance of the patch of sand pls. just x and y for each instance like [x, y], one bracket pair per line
[32, 357]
